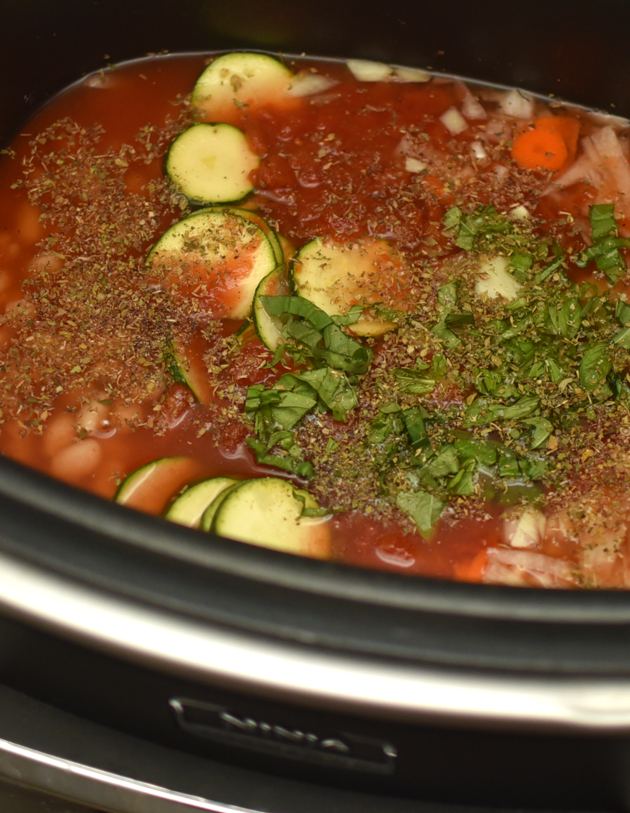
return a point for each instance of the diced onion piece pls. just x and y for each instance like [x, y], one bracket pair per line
[472, 109]
[495, 280]
[526, 531]
[479, 151]
[501, 172]
[454, 122]
[414, 164]
[498, 130]
[411, 75]
[366, 71]
[308, 84]
[520, 213]
[517, 104]
[523, 567]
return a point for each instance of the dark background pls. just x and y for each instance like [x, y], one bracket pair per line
[548, 47]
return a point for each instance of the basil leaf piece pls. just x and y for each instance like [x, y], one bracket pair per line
[439, 366]
[446, 462]
[523, 407]
[413, 382]
[508, 467]
[301, 468]
[479, 413]
[595, 366]
[471, 448]
[463, 483]
[333, 389]
[319, 334]
[606, 243]
[451, 319]
[447, 295]
[622, 312]
[550, 269]
[414, 424]
[564, 319]
[424, 508]
[453, 217]
[542, 430]
[349, 318]
[536, 469]
[602, 219]
[483, 411]
[446, 336]
[520, 264]
[622, 338]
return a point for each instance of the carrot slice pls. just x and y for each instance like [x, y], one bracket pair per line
[472, 571]
[566, 126]
[540, 148]
[550, 144]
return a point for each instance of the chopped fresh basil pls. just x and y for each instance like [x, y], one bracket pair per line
[463, 483]
[622, 312]
[606, 243]
[595, 366]
[425, 509]
[446, 462]
[318, 336]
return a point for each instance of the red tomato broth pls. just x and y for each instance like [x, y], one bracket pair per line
[330, 168]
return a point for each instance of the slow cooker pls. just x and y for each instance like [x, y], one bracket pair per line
[146, 667]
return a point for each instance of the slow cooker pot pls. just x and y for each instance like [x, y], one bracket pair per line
[248, 660]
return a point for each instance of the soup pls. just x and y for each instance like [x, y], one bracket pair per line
[349, 310]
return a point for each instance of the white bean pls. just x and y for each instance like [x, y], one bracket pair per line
[59, 433]
[46, 262]
[77, 460]
[94, 417]
[29, 227]
[20, 304]
[129, 414]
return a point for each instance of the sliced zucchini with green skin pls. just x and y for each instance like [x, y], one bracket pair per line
[188, 368]
[269, 328]
[269, 512]
[150, 487]
[208, 515]
[259, 221]
[217, 257]
[288, 249]
[239, 79]
[211, 163]
[368, 273]
[189, 507]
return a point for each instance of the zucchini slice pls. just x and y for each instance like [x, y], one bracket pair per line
[239, 80]
[211, 163]
[368, 273]
[269, 328]
[208, 515]
[216, 257]
[189, 507]
[149, 487]
[185, 364]
[269, 512]
[259, 221]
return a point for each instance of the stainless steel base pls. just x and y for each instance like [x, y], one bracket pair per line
[54, 762]
[15, 798]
